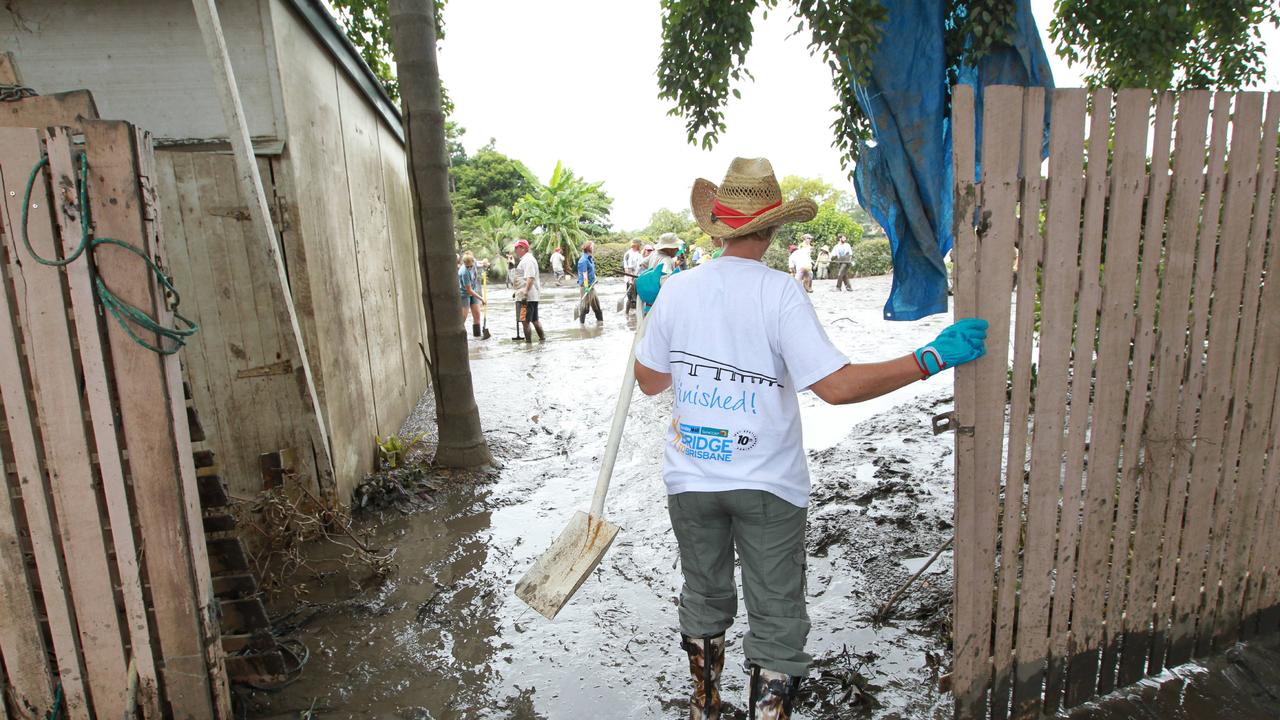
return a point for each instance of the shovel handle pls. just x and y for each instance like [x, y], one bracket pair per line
[619, 420]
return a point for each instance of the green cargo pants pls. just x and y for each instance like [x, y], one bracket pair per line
[768, 534]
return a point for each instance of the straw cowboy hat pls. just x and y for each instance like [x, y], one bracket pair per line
[668, 241]
[747, 201]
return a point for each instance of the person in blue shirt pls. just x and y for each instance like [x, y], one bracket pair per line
[469, 288]
[587, 284]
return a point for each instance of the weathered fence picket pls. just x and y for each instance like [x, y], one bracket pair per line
[1139, 535]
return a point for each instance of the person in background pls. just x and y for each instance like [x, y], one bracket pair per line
[695, 258]
[802, 261]
[469, 286]
[632, 265]
[842, 258]
[528, 292]
[791, 259]
[737, 480]
[824, 259]
[665, 251]
[587, 283]
[511, 268]
[646, 254]
[557, 265]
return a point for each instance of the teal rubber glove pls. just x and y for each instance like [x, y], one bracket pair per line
[648, 283]
[956, 345]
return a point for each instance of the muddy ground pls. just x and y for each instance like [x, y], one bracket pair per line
[445, 637]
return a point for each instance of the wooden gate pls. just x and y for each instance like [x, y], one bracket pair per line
[106, 606]
[1116, 491]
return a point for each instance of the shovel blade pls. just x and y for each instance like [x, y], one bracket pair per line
[561, 570]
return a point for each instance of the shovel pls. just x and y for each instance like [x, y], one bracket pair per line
[561, 570]
[583, 303]
[484, 300]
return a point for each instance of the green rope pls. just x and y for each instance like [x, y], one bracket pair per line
[56, 712]
[124, 313]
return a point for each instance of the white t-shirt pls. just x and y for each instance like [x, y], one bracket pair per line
[801, 260]
[735, 419]
[528, 268]
[842, 249]
[557, 262]
[632, 261]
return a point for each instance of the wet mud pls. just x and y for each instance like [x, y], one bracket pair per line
[445, 636]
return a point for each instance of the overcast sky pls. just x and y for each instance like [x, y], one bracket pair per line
[574, 80]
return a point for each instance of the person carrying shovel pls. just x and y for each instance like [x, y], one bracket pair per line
[587, 284]
[734, 464]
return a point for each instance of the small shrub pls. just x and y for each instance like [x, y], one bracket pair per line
[872, 257]
[609, 258]
[776, 256]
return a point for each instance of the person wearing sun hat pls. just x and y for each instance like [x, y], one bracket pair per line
[734, 463]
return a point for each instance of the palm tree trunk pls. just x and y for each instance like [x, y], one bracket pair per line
[413, 36]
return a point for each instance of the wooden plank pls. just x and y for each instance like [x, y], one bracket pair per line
[243, 616]
[265, 249]
[1029, 256]
[68, 108]
[1190, 380]
[1061, 274]
[97, 394]
[180, 432]
[1116, 332]
[1119, 601]
[372, 252]
[209, 364]
[1155, 475]
[1262, 561]
[1237, 494]
[38, 290]
[1266, 603]
[1002, 118]
[21, 642]
[234, 586]
[404, 248]
[1064, 642]
[1228, 281]
[116, 207]
[968, 685]
[19, 417]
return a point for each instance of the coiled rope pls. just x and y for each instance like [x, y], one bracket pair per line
[126, 314]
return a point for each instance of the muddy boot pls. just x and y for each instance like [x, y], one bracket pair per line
[542, 337]
[772, 694]
[706, 661]
[475, 329]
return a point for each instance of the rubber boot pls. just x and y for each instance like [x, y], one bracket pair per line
[475, 329]
[772, 694]
[706, 662]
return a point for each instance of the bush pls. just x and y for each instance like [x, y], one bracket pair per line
[609, 258]
[776, 256]
[872, 257]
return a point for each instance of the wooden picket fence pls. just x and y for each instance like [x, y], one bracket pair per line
[106, 609]
[1116, 493]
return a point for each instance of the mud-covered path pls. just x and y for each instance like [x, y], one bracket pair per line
[447, 638]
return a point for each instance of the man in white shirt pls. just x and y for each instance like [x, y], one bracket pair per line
[842, 259]
[528, 291]
[734, 464]
[557, 265]
[632, 265]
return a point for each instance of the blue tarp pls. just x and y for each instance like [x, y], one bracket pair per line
[903, 176]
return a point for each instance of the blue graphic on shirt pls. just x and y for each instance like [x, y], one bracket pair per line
[705, 443]
[743, 401]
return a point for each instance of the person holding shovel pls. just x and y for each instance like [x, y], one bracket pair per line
[528, 292]
[587, 284]
[734, 464]
[469, 285]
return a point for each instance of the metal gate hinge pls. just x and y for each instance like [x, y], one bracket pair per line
[946, 421]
